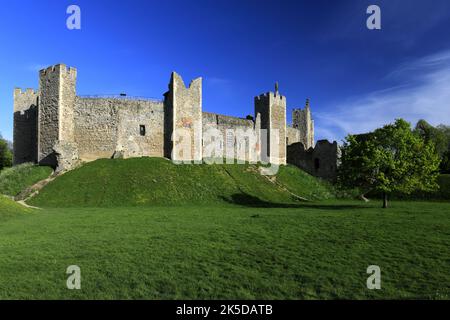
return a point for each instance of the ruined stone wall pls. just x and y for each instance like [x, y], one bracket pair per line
[186, 111]
[272, 107]
[105, 127]
[238, 137]
[326, 156]
[320, 161]
[25, 126]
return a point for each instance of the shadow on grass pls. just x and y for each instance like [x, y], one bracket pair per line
[244, 199]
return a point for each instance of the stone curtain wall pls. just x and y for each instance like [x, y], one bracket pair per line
[105, 127]
[25, 126]
[133, 115]
[245, 148]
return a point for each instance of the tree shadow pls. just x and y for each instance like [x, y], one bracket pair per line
[244, 199]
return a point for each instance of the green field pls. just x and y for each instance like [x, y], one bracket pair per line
[312, 251]
[147, 229]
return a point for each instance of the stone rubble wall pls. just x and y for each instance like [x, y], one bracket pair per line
[106, 126]
[238, 136]
[320, 161]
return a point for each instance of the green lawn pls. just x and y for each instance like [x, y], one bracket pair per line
[295, 251]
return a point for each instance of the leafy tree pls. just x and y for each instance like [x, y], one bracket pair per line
[440, 136]
[390, 159]
[6, 156]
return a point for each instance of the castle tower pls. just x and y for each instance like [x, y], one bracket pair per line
[25, 125]
[272, 108]
[57, 94]
[302, 120]
[183, 122]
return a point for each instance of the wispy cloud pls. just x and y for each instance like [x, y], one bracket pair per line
[422, 91]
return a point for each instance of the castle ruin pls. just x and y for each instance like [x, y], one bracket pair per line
[54, 126]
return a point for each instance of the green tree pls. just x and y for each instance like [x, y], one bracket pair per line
[390, 159]
[6, 156]
[440, 136]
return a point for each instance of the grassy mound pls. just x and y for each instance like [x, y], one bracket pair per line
[16, 179]
[9, 209]
[156, 181]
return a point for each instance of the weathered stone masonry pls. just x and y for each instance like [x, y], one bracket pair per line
[53, 126]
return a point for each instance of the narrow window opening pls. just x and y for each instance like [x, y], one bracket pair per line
[142, 130]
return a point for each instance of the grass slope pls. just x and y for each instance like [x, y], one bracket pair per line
[156, 181]
[10, 209]
[16, 179]
[309, 251]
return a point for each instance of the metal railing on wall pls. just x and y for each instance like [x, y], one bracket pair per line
[119, 96]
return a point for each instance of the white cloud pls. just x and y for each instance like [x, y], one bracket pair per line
[423, 92]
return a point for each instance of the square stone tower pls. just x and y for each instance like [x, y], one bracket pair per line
[302, 120]
[183, 120]
[25, 125]
[57, 94]
[272, 108]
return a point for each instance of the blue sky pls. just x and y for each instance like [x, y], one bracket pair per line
[357, 79]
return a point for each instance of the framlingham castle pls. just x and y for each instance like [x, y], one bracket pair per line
[53, 126]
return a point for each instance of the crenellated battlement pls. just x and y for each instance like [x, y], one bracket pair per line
[25, 99]
[28, 91]
[269, 95]
[58, 68]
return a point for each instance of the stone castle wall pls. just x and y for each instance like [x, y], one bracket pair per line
[321, 161]
[237, 136]
[105, 127]
[56, 127]
[25, 126]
